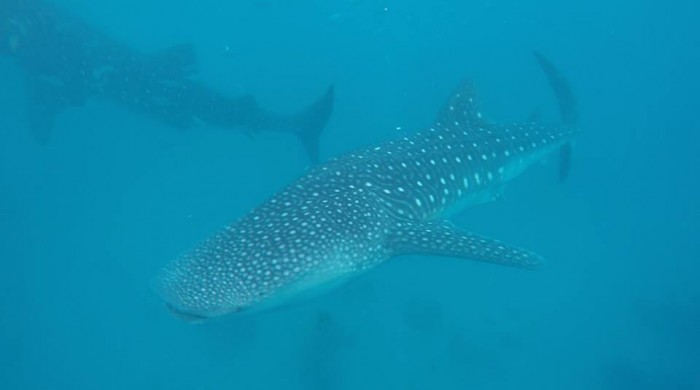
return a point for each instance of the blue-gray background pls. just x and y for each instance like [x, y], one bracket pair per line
[87, 220]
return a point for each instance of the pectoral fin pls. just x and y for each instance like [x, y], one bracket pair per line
[441, 238]
[45, 102]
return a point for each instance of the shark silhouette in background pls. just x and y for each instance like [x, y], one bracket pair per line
[347, 216]
[68, 62]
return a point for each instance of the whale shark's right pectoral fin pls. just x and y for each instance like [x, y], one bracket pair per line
[441, 238]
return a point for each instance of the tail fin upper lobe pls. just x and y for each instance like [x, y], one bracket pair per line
[567, 108]
[562, 90]
[310, 123]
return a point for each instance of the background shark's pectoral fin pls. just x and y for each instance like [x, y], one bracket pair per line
[462, 109]
[45, 102]
[441, 238]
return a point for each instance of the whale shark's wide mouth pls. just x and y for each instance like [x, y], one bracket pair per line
[186, 316]
[175, 296]
[175, 304]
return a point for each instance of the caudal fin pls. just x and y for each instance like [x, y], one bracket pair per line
[562, 90]
[567, 108]
[310, 123]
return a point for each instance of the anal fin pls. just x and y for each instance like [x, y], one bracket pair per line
[441, 238]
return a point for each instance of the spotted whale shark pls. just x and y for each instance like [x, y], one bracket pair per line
[68, 62]
[356, 211]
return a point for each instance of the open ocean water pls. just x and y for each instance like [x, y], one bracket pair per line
[89, 217]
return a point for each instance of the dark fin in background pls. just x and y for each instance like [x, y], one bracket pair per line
[567, 108]
[441, 238]
[562, 91]
[462, 109]
[41, 117]
[310, 123]
[45, 101]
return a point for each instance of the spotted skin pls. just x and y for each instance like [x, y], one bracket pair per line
[361, 209]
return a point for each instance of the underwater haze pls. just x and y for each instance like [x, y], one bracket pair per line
[101, 195]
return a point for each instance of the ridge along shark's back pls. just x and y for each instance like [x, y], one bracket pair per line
[356, 211]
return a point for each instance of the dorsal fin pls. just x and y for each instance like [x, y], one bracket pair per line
[462, 108]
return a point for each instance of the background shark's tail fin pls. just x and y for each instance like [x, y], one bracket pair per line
[567, 108]
[310, 123]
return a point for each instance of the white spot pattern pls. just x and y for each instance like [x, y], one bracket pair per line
[335, 220]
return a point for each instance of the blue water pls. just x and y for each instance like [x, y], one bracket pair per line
[88, 219]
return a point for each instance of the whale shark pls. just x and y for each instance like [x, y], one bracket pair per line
[356, 211]
[67, 62]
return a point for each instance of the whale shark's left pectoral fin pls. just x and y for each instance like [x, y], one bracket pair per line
[441, 238]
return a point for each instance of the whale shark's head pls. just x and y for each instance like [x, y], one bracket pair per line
[291, 244]
[208, 281]
[189, 296]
